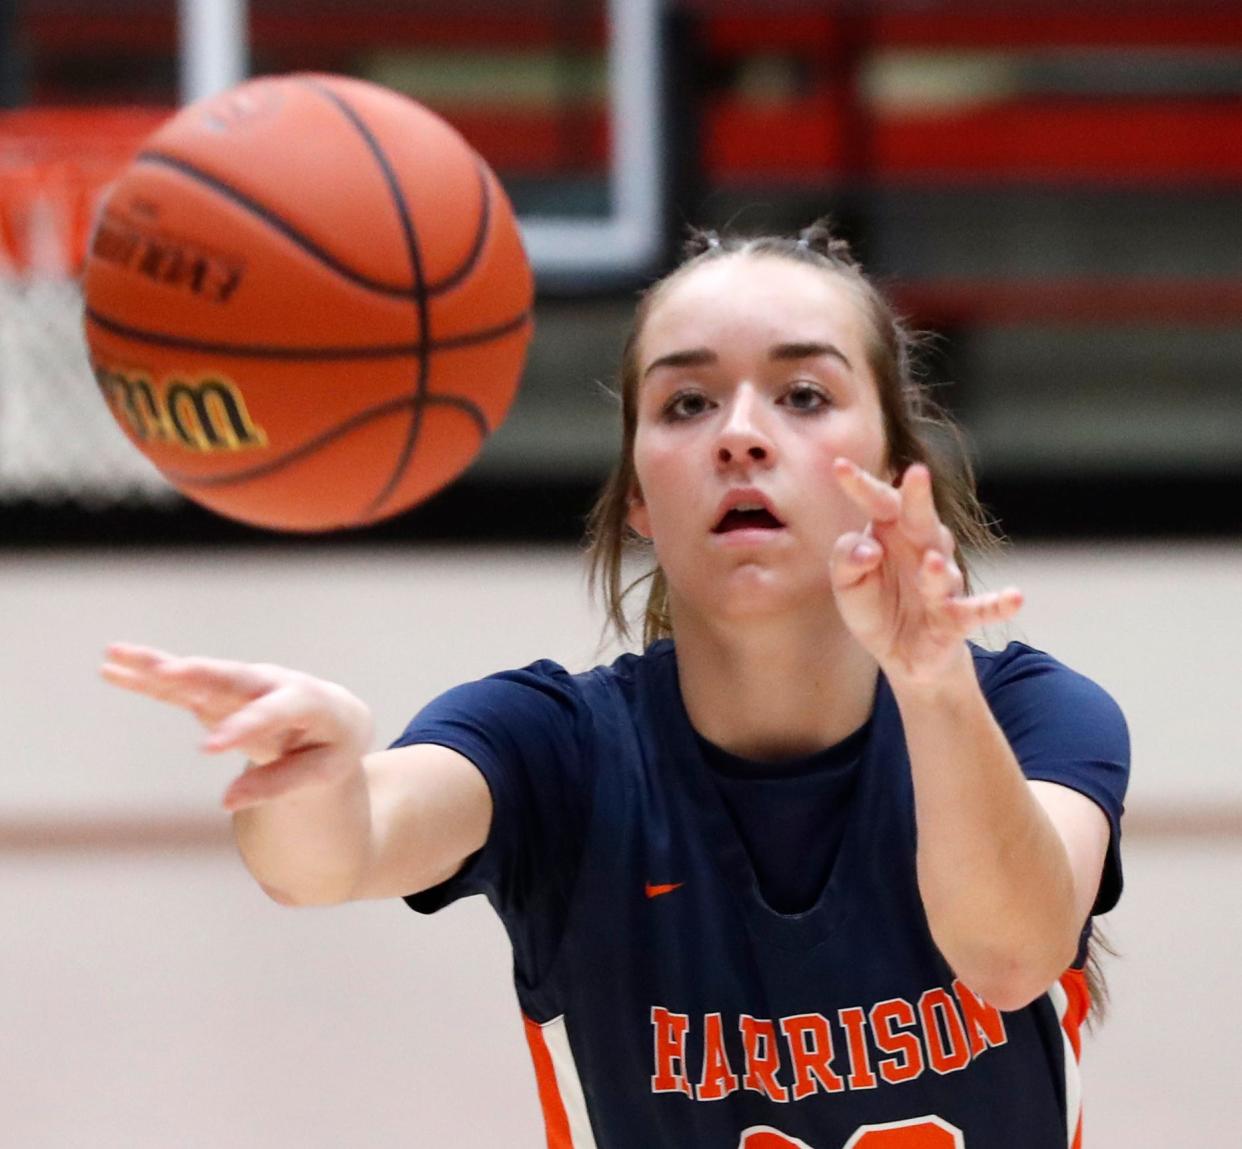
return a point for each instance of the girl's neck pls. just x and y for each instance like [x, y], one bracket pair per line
[770, 691]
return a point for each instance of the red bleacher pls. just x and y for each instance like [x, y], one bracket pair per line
[824, 134]
[820, 134]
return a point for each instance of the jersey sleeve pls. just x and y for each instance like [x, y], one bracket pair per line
[1064, 728]
[526, 732]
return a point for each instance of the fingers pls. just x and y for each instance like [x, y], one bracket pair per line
[985, 609]
[898, 584]
[297, 731]
[939, 577]
[881, 502]
[854, 556]
[136, 655]
[911, 507]
[213, 689]
[209, 687]
[128, 666]
[267, 727]
[300, 770]
[941, 582]
[919, 520]
[251, 708]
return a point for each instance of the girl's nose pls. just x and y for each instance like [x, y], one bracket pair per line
[728, 451]
[742, 438]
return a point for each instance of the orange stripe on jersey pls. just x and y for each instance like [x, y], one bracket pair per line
[555, 1119]
[1074, 982]
[1072, 1006]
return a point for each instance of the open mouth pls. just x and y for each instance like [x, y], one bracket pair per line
[745, 518]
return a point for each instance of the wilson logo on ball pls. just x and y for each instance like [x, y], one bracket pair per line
[204, 415]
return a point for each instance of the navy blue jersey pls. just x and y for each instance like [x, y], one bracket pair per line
[669, 1006]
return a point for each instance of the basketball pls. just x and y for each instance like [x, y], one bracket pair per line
[307, 302]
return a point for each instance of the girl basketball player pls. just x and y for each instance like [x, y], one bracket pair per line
[813, 870]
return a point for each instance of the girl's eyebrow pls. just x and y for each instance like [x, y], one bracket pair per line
[702, 356]
[698, 357]
[808, 351]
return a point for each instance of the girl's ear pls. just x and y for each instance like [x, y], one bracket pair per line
[637, 517]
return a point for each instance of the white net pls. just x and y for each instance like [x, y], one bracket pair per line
[58, 441]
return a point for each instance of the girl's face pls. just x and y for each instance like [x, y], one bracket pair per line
[753, 378]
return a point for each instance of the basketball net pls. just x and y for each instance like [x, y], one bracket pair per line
[58, 441]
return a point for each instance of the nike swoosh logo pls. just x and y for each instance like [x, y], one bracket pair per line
[654, 891]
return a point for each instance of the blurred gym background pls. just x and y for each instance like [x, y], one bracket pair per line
[1051, 187]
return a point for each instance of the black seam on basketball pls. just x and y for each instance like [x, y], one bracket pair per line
[273, 220]
[480, 237]
[421, 302]
[309, 354]
[271, 466]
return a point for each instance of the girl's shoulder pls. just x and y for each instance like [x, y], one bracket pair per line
[627, 670]
[1020, 676]
[1015, 660]
[548, 685]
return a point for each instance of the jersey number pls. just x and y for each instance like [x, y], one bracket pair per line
[917, 1133]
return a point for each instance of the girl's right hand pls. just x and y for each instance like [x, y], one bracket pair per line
[299, 732]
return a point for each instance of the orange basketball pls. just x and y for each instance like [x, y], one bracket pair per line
[307, 302]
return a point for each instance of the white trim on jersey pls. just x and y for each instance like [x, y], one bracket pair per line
[568, 1083]
[1073, 1079]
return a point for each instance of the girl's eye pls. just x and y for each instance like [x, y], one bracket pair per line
[685, 405]
[805, 397]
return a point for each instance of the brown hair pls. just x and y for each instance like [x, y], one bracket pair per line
[916, 429]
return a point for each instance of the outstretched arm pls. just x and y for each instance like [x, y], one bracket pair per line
[1008, 870]
[317, 820]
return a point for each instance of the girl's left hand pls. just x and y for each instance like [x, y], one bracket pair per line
[897, 585]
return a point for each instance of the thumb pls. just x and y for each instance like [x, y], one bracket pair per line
[307, 768]
[854, 557]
